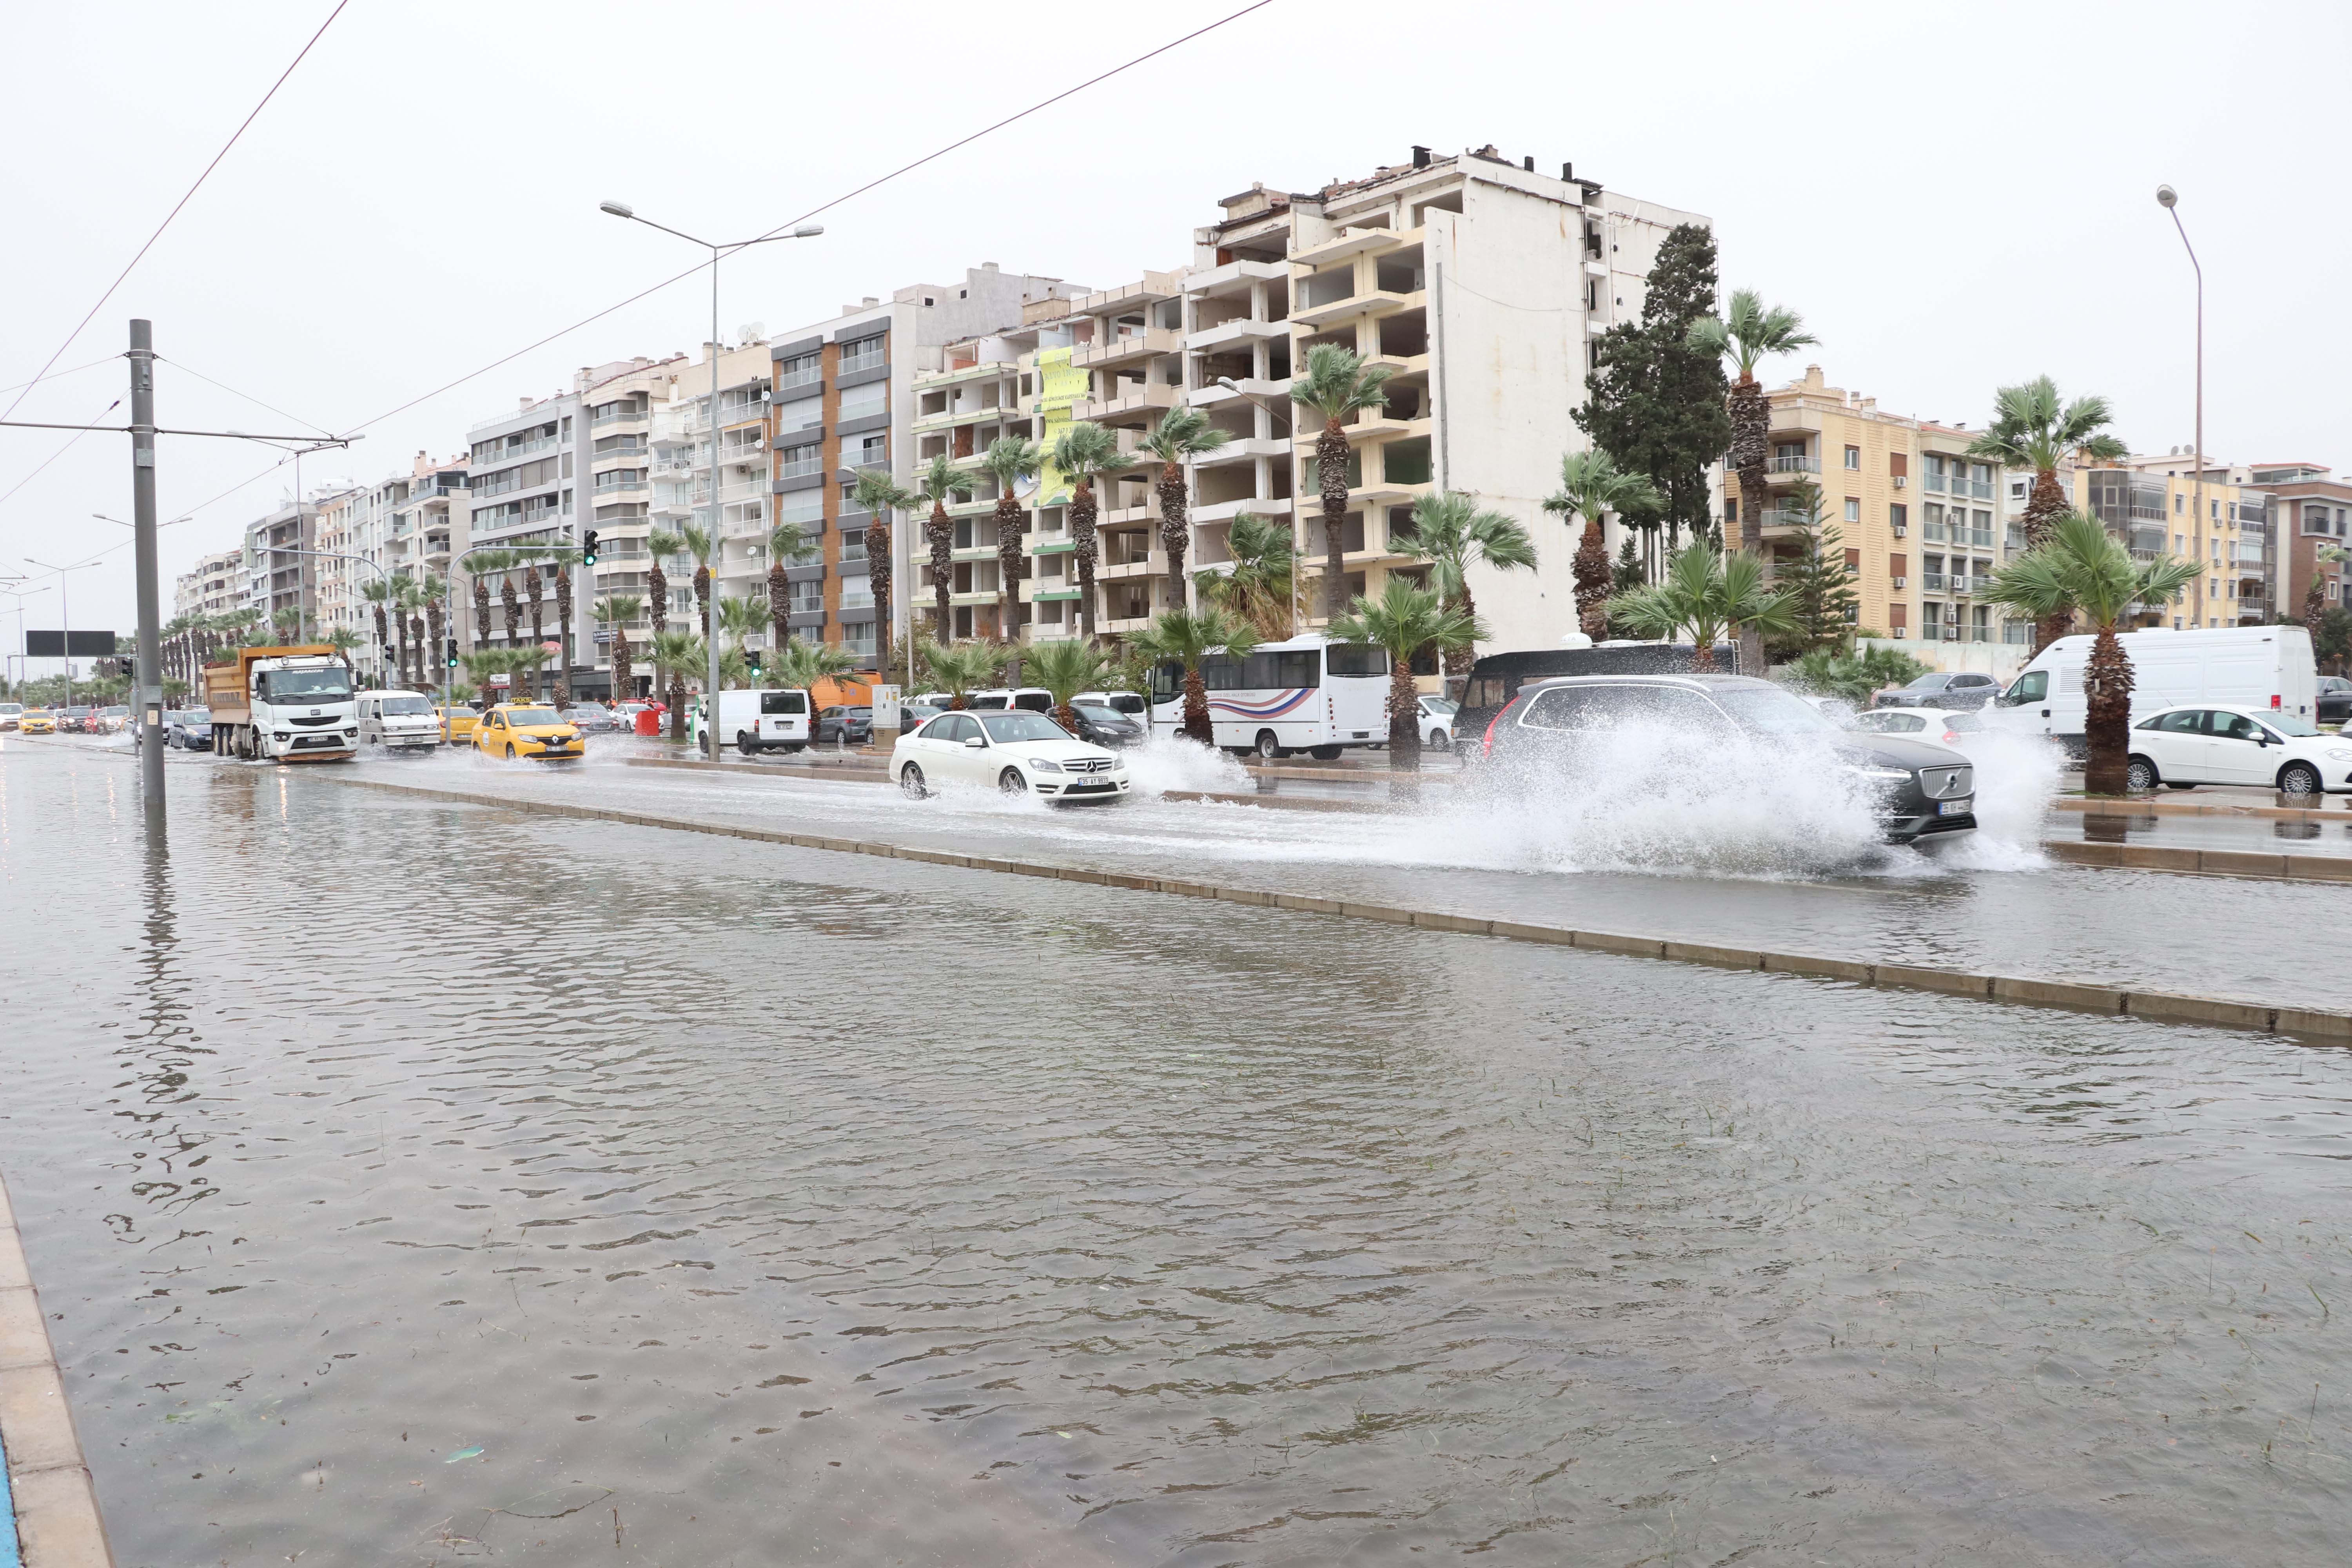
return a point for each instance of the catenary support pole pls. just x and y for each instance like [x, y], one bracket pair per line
[147, 700]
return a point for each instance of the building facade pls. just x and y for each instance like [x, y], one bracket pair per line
[281, 568]
[216, 588]
[2309, 513]
[2152, 504]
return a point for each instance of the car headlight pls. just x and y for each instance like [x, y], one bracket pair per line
[1884, 776]
[1043, 765]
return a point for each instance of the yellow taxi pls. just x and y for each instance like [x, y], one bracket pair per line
[36, 721]
[457, 721]
[514, 729]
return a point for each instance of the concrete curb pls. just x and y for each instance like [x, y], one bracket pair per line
[57, 1518]
[2202, 862]
[852, 772]
[2109, 806]
[2317, 1024]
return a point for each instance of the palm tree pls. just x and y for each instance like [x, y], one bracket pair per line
[378, 594]
[1707, 593]
[1337, 384]
[617, 610]
[809, 664]
[740, 620]
[1746, 332]
[1590, 484]
[673, 654]
[663, 545]
[1064, 667]
[1404, 621]
[942, 484]
[787, 543]
[511, 562]
[1261, 585]
[524, 663]
[1189, 637]
[876, 493]
[2079, 566]
[534, 556]
[482, 565]
[960, 669]
[701, 544]
[436, 603]
[343, 639]
[412, 599]
[561, 557]
[2031, 428]
[1011, 459]
[1086, 452]
[1453, 532]
[1184, 434]
[481, 664]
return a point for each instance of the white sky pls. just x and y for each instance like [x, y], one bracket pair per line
[1955, 196]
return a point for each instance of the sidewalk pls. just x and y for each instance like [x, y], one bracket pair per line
[48, 1510]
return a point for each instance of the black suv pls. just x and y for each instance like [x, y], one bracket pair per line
[1927, 790]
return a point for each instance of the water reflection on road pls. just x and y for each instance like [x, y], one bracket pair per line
[420, 1181]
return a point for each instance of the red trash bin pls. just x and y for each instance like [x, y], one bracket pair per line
[649, 722]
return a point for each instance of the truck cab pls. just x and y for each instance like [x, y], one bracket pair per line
[283, 704]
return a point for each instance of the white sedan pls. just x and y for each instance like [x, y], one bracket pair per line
[1938, 726]
[2194, 745]
[1019, 752]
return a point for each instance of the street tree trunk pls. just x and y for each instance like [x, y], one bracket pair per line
[1457, 662]
[939, 529]
[1751, 420]
[623, 673]
[1174, 539]
[1404, 718]
[877, 576]
[2107, 690]
[563, 636]
[1008, 577]
[1591, 572]
[538, 627]
[702, 596]
[2043, 508]
[416, 625]
[1196, 708]
[1088, 549]
[434, 624]
[656, 597]
[1331, 477]
[779, 607]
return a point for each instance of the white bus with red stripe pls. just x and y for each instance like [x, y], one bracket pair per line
[1306, 694]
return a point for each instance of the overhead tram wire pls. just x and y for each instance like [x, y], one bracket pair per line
[61, 374]
[233, 392]
[242, 127]
[828, 207]
[61, 451]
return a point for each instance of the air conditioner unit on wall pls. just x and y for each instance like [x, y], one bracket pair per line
[1901, 529]
[1899, 581]
[1901, 481]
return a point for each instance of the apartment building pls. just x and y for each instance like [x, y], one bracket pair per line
[2310, 509]
[1923, 525]
[2151, 503]
[1480, 283]
[685, 456]
[842, 397]
[216, 586]
[281, 565]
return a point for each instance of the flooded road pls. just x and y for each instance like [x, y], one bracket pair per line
[414, 1181]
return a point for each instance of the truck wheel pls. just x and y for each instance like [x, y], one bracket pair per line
[1324, 754]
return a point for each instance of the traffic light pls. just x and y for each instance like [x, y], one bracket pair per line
[588, 548]
[452, 652]
[752, 658]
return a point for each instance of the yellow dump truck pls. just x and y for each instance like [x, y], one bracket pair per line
[283, 704]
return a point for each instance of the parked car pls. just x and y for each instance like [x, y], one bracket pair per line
[1021, 753]
[10, 712]
[1927, 792]
[1953, 690]
[591, 719]
[36, 721]
[845, 725]
[913, 716]
[1437, 722]
[518, 730]
[1100, 726]
[189, 729]
[1133, 704]
[2193, 745]
[1030, 699]
[457, 721]
[2334, 700]
[1938, 726]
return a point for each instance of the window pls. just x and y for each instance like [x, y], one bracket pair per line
[871, 451]
[1852, 507]
[859, 402]
[784, 702]
[863, 353]
[801, 413]
[1935, 464]
[2179, 502]
[1897, 516]
[1853, 458]
[1355, 659]
[796, 461]
[1281, 671]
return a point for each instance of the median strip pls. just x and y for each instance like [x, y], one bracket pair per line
[55, 1515]
[2164, 1006]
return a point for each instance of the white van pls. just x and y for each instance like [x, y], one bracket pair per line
[398, 722]
[766, 718]
[2265, 668]
[1134, 704]
[1029, 698]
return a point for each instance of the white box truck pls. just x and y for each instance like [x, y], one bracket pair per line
[2245, 666]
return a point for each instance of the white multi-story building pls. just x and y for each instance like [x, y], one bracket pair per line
[216, 588]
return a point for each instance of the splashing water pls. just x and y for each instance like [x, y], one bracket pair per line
[1164, 760]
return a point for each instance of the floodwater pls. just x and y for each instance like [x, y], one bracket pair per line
[412, 1183]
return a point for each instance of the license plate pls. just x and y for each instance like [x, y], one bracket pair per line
[1955, 807]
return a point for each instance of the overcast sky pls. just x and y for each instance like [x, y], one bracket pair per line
[1953, 197]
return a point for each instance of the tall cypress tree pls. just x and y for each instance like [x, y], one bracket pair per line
[1653, 402]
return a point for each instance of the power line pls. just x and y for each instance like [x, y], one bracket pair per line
[233, 392]
[60, 374]
[183, 202]
[61, 451]
[870, 184]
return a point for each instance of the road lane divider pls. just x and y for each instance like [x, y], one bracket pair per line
[54, 1513]
[2164, 1006]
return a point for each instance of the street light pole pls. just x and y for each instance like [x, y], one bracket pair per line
[65, 614]
[2169, 199]
[147, 699]
[717, 544]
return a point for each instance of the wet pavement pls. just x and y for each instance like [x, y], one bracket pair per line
[416, 1182]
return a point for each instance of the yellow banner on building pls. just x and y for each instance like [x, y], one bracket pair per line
[1060, 387]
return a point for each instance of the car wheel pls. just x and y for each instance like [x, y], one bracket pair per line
[1011, 782]
[910, 783]
[1268, 746]
[2140, 775]
[510, 750]
[745, 744]
[1437, 742]
[1324, 754]
[2298, 779]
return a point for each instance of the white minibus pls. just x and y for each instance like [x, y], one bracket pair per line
[1306, 694]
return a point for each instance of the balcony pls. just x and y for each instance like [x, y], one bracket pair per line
[1356, 242]
[871, 359]
[1150, 289]
[1248, 448]
[1226, 511]
[1366, 302]
[1148, 401]
[1126, 345]
[1239, 329]
[1235, 276]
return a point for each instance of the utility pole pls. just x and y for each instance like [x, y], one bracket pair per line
[147, 695]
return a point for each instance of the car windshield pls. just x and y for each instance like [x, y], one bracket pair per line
[1768, 711]
[2293, 724]
[1022, 726]
[522, 716]
[409, 704]
[1101, 715]
[1445, 706]
[116, 712]
[198, 716]
[333, 685]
